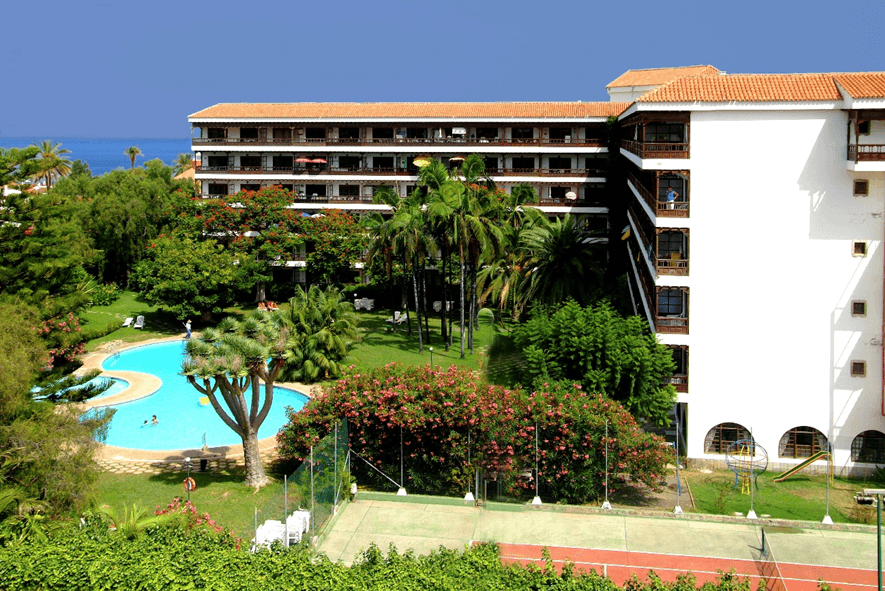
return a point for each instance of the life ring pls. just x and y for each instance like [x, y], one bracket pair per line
[190, 485]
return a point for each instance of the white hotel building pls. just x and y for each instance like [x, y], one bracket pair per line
[765, 274]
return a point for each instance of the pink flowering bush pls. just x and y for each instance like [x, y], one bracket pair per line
[437, 410]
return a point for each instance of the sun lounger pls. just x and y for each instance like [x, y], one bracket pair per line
[139, 322]
[128, 322]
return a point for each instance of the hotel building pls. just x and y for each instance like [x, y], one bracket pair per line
[755, 207]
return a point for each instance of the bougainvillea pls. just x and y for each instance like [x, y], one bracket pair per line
[433, 413]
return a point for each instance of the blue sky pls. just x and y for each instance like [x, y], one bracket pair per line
[137, 69]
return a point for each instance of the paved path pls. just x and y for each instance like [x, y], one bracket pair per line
[423, 525]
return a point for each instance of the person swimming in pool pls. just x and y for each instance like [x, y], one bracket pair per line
[154, 420]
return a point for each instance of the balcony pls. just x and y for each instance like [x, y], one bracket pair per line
[660, 205]
[674, 265]
[867, 153]
[656, 150]
[367, 170]
[671, 325]
[680, 382]
[417, 142]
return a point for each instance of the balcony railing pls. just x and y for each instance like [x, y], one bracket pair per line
[656, 150]
[672, 266]
[680, 382]
[406, 141]
[662, 208]
[671, 325]
[867, 153]
[313, 170]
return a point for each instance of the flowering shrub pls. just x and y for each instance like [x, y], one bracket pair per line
[192, 518]
[432, 413]
[62, 335]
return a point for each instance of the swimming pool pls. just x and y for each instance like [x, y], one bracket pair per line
[117, 386]
[182, 420]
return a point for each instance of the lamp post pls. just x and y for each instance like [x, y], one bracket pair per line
[537, 500]
[878, 492]
[606, 504]
[678, 509]
[187, 461]
[431, 357]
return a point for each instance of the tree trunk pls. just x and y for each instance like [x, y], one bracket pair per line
[424, 305]
[255, 476]
[444, 313]
[463, 280]
[417, 311]
[259, 292]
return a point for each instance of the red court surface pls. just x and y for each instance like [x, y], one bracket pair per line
[621, 565]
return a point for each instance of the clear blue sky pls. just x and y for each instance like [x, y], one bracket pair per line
[138, 69]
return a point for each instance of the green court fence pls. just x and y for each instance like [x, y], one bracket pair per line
[315, 489]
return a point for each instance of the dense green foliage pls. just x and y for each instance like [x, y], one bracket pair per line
[602, 351]
[181, 554]
[189, 278]
[438, 410]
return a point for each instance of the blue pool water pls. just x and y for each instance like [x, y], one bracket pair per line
[117, 386]
[182, 420]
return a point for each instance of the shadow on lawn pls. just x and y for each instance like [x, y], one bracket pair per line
[380, 334]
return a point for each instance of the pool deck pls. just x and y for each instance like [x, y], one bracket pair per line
[121, 459]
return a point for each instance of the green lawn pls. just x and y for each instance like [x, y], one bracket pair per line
[220, 493]
[801, 497]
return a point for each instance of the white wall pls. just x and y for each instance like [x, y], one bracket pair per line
[773, 218]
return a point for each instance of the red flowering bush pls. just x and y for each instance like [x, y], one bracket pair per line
[432, 414]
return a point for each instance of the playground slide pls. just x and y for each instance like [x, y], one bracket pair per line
[798, 467]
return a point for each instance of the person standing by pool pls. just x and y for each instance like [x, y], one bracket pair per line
[187, 326]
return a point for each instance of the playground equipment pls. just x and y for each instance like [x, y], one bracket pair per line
[798, 467]
[748, 460]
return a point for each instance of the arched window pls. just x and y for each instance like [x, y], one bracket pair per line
[720, 437]
[869, 447]
[802, 442]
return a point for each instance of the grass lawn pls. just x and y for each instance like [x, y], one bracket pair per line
[380, 344]
[801, 497]
[220, 493]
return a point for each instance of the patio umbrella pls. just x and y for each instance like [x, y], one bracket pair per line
[421, 161]
[303, 159]
[318, 161]
[457, 159]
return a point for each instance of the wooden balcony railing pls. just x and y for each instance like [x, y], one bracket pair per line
[664, 209]
[867, 153]
[672, 266]
[656, 150]
[408, 141]
[671, 325]
[323, 169]
[680, 382]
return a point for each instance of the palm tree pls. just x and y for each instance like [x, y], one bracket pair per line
[182, 163]
[562, 262]
[51, 164]
[322, 329]
[226, 362]
[132, 152]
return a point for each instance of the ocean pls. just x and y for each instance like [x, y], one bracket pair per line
[106, 154]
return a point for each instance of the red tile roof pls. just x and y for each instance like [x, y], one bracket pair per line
[746, 88]
[863, 84]
[657, 76]
[410, 110]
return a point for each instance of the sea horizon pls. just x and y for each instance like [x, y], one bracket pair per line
[104, 154]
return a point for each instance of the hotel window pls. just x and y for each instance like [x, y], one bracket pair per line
[869, 447]
[723, 435]
[802, 442]
[349, 190]
[283, 162]
[523, 133]
[665, 133]
[861, 188]
[349, 163]
[249, 133]
[250, 162]
[863, 128]
[217, 133]
[858, 369]
[282, 133]
[216, 163]
[859, 248]
[250, 186]
[560, 133]
[523, 163]
[491, 163]
[410, 189]
[858, 308]
[558, 192]
[595, 162]
[349, 133]
[381, 162]
[385, 133]
[315, 133]
[315, 190]
[672, 244]
[488, 133]
[217, 188]
[559, 163]
[671, 302]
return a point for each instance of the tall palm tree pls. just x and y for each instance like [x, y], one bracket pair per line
[182, 163]
[562, 262]
[132, 152]
[51, 163]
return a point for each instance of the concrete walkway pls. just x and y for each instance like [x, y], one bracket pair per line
[426, 523]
